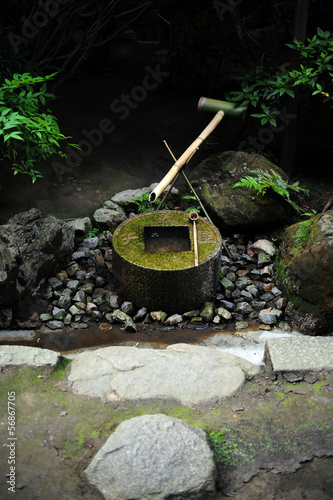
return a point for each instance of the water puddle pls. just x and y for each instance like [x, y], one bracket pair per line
[148, 336]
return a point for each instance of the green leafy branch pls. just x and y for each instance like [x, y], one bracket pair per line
[262, 180]
[267, 91]
[29, 134]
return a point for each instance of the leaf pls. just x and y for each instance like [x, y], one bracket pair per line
[13, 135]
[290, 92]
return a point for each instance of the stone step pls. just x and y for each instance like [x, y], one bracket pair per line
[299, 353]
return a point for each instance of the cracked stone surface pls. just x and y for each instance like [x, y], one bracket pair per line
[190, 374]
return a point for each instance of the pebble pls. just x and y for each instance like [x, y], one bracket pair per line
[82, 292]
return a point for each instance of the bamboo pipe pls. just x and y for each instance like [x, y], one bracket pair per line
[185, 156]
[230, 108]
[194, 217]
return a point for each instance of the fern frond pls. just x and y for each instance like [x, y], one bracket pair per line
[264, 180]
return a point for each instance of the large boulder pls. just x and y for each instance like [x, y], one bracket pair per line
[32, 247]
[238, 209]
[306, 271]
[155, 457]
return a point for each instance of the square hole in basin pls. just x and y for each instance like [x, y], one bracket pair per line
[167, 239]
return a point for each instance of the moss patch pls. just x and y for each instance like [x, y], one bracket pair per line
[128, 240]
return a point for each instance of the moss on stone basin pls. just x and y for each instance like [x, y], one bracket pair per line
[128, 240]
[166, 279]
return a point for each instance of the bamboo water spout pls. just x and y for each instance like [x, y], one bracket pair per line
[185, 157]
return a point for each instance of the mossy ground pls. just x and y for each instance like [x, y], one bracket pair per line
[268, 424]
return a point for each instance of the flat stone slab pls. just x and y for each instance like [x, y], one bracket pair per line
[155, 457]
[300, 353]
[17, 335]
[17, 355]
[191, 374]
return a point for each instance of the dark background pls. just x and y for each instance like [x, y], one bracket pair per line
[101, 50]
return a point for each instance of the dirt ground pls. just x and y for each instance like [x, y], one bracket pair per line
[277, 436]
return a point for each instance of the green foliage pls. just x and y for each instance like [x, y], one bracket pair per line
[142, 204]
[94, 232]
[222, 449]
[262, 180]
[314, 78]
[191, 208]
[27, 133]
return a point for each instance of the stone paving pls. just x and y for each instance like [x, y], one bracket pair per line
[192, 374]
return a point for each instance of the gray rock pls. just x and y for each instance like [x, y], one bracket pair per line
[267, 271]
[264, 246]
[67, 319]
[74, 310]
[141, 314]
[65, 299]
[225, 270]
[243, 282]
[224, 313]
[238, 208]
[108, 254]
[283, 325]
[173, 320]
[55, 283]
[246, 295]
[263, 260]
[46, 317]
[228, 305]
[155, 457]
[55, 325]
[11, 355]
[128, 308]
[32, 247]
[152, 373]
[277, 312]
[90, 243]
[91, 307]
[124, 318]
[73, 285]
[306, 263]
[241, 325]
[124, 197]
[295, 354]
[258, 304]
[58, 313]
[227, 284]
[80, 296]
[243, 308]
[207, 312]
[109, 216]
[253, 290]
[267, 318]
[81, 225]
[159, 316]
[79, 254]
[267, 296]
